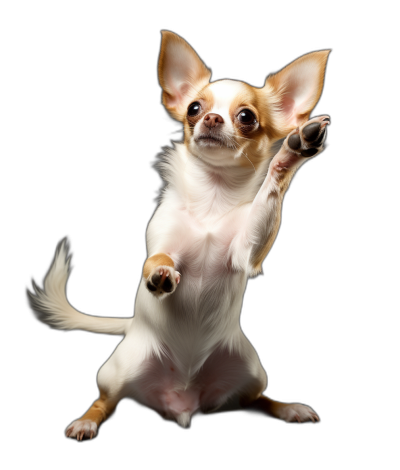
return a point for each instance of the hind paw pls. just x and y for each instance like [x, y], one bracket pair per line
[295, 412]
[82, 429]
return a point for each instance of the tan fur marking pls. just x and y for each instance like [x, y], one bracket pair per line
[100, 410]
[259, 255]
[151, 263]
[248, 139]
[255, 397]
[247, 98]
[270, 407]
[206, 95]
[283, 177]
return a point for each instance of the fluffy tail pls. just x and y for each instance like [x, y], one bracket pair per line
[51, 305]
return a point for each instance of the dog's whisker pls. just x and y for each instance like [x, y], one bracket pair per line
[246, 138]
[245, 156]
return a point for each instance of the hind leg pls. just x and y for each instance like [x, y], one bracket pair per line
[123, 375]
[111, 382]
[290, 412]
[87, 426]
[252, 395]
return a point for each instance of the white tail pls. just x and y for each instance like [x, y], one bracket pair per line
[52, 307]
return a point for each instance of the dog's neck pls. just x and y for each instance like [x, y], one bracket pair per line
[207, 191]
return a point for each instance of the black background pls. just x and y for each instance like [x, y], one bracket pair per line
[89, 126]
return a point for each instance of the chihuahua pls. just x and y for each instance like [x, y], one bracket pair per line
[218, 216]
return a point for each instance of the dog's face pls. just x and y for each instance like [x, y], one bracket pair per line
[225, 122]
[228, 122]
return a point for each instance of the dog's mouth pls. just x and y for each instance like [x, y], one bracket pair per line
[210, 139]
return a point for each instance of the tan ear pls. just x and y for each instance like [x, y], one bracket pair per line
[298, 87]
[181, 73]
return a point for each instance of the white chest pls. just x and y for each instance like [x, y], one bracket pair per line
[199, 241]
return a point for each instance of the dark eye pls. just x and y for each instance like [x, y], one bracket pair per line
[194, 109]
[246, 117]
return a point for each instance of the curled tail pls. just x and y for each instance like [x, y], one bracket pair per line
[51, 305]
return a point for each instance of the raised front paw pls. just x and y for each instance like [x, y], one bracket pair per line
[163, 280]
[307, 140]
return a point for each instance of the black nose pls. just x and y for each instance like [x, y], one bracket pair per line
[212, 120]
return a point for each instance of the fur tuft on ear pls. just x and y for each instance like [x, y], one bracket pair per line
[181, 73]
[297, 88]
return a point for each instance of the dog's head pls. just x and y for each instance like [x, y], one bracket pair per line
[228, 122]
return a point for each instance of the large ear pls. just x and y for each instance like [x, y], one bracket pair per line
[181, 73]
[298, 87]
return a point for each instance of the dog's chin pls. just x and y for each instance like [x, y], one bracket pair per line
[213, 150]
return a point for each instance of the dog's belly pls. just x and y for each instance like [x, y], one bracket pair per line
[176, 394]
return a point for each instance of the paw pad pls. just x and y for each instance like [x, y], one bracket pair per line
[163, 281]
[309, 138]
[294, 141]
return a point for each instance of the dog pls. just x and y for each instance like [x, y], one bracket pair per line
[218, 216]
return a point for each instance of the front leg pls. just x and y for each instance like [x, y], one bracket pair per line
[265, 213]
[160, 276]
